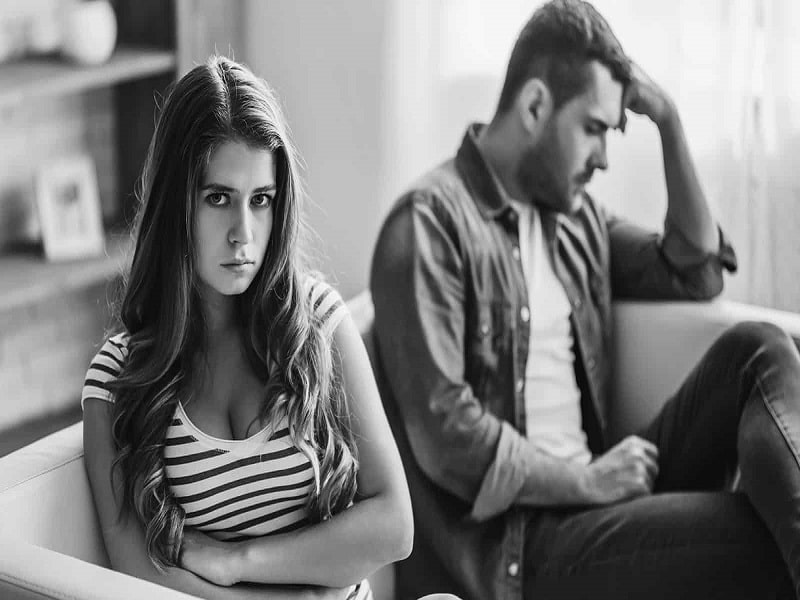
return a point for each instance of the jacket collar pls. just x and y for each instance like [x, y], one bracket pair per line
[491, 201]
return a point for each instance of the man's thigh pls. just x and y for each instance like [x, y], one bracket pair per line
[677, 545]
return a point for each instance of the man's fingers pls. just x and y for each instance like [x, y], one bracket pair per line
[634, 441]
[645, 446]
[647, 454]
[650, 449]
[644, 476]
[652, 468]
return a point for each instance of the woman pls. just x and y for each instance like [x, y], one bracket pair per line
[233, 430]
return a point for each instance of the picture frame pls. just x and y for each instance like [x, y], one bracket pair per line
[68, 206]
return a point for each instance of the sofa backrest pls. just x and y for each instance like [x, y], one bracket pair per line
[45, 497]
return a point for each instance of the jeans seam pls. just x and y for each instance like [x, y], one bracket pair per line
[777, 420]
[792, 558]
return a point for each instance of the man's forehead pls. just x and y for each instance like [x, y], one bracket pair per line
[602, 99]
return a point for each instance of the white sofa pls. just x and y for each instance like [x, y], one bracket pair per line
[50, 544]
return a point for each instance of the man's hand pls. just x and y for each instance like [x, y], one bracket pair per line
[626, 471]
[208, 558]
[645, 97]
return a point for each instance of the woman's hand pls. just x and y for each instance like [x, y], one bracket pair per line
[211, 559]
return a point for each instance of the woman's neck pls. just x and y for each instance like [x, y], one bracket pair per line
[219, 312]
[222, 342]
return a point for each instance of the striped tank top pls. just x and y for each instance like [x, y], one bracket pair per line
[232, 489]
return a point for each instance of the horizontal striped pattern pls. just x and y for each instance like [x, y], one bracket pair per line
[104, 368]
[233, 489]
[230, 489]
[326, 304]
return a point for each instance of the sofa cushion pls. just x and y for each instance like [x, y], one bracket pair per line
[45, 497]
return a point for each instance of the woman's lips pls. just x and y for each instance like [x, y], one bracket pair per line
[238, 265]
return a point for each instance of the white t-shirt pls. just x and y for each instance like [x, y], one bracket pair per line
[552, 395]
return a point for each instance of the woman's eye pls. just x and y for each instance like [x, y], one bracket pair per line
[217, 199]
[261, 200]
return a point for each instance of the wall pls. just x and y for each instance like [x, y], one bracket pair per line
[205, 27]
[327, 62]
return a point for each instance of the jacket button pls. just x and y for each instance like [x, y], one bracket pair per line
[524, 314]
[591, 363]
[513, 569]
[484, 328]
[520, 385]
[515, 252]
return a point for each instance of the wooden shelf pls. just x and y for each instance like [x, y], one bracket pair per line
[35, 77]
[26, 278]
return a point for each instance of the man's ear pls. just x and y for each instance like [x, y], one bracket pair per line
[534, 104]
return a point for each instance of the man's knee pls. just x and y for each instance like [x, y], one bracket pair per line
[749, 339]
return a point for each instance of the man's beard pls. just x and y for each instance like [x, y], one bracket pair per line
[538, 176]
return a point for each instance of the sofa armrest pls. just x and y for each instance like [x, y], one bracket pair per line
[656, 344]
[45, 497]
[28, 571]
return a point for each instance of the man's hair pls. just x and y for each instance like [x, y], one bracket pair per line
[556, 45]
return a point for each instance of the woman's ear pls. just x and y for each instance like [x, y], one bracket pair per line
[534, 104]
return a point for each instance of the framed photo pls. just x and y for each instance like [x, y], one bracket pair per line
[69, 209]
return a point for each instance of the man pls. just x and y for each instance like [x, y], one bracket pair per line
[492, 281]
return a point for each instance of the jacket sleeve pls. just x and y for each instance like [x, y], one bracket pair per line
[650, 266]
[418, 288]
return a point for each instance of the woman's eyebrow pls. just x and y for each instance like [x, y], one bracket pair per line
[218, 187]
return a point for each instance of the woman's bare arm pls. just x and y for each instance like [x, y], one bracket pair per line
[124, 537]
[375, 531]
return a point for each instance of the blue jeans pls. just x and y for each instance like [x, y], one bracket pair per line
[740, 405]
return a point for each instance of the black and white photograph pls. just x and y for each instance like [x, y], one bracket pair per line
[400, 299]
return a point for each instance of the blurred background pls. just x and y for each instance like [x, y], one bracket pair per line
[376, 92]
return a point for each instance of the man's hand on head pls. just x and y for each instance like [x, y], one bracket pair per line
[645, 97]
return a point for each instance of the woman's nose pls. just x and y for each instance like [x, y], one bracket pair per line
[241, 231]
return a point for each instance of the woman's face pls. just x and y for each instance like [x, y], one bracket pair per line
[233, 217]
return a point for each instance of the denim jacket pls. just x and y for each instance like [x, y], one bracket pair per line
[452, 333]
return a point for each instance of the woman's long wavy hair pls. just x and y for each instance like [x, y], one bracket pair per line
[161, 312]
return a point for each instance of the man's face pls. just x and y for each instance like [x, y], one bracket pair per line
[556, 168]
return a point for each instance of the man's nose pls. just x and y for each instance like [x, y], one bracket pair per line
[599, 159]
